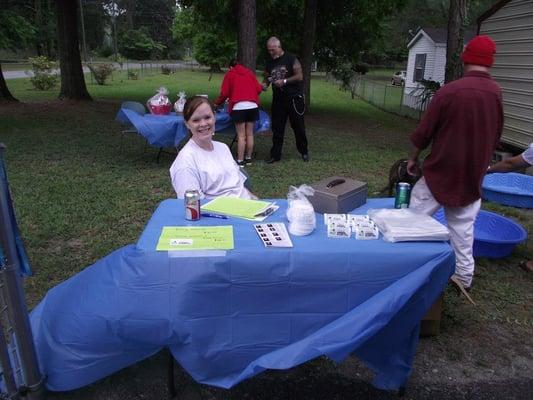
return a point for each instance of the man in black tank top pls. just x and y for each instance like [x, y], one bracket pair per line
[284, 72]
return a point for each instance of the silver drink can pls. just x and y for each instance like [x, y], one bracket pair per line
[403, 195]
[192, 205]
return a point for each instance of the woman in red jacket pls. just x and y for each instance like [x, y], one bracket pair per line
[241, 87]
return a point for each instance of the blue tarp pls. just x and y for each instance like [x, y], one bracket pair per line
[5, 196]
[169, 130]
[227, 317]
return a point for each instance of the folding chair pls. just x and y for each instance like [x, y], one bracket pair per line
[136, 107]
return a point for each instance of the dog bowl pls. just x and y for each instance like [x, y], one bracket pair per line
[494, 235]
[510, 189]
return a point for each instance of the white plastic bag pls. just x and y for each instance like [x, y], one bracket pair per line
[300, 212]
[180, 103]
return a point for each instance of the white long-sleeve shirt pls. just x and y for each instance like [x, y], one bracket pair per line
[213, 173]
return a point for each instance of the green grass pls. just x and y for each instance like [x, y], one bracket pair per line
[18, 66]
[77, 198]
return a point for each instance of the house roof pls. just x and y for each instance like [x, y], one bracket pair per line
[437, 35]
[490, 12]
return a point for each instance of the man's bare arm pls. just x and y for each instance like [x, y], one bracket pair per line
[509, 164]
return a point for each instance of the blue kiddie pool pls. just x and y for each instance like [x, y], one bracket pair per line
[510, 189]
[495, 236]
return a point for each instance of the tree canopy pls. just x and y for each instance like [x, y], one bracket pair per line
[16, 31]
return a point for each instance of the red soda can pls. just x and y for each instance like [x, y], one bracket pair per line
[192, 205]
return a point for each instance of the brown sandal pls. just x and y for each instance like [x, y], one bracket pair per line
[462, 289]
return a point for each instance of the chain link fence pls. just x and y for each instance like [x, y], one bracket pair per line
[134, 70]
[128, 69]
[409, 103]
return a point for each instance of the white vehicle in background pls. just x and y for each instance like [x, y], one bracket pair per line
[398, 78]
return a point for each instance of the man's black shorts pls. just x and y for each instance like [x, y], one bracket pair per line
[250, 115]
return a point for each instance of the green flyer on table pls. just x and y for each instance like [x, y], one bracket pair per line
[195, 238]
[236, 207]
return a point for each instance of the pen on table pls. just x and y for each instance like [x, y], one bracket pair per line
[209, 215]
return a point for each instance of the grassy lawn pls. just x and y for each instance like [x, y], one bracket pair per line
[78, 198]
[16, 66]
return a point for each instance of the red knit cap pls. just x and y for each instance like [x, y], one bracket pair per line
[479, 51]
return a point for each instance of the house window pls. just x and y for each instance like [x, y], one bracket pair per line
[420, 66]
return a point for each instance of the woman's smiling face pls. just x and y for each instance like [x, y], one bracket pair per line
[202, 123]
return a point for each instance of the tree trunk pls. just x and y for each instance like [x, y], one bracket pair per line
[247, 40]
[72, 79]
[130, 10]
[454, 45]
[51, 49]
[5, 94]
[39, 24]
[308, 41]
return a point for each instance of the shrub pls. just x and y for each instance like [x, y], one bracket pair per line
[101, 72]
[210, 50]
[426, 91]
[44, 76]
[343, 73]
[105, 51]
[138, 45]
[361, 68]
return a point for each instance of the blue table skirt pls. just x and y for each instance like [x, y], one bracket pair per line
[170, 130]
[227, 317]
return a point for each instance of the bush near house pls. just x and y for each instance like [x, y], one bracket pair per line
[44, 77]
[101, 72]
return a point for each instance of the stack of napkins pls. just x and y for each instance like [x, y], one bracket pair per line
[402, 225]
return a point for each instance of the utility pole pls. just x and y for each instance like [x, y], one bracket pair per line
[83, 42]
[113, 10]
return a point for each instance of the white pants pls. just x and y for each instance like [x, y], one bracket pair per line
[460, 224]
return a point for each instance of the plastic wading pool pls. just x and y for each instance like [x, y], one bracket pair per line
[510, 189]
[495, 236]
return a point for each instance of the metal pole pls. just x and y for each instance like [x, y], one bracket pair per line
[7, 371]
[14, 297]
[84, 44]
[401, 99]
[115, 36]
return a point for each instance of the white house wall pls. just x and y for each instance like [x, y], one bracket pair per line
[511, 27]
[424, 45]
[440, 64]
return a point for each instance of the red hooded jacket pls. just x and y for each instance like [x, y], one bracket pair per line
[239, 84]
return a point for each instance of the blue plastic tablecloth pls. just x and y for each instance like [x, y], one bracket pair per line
[169, 130]
[7, 202]
[229, 316]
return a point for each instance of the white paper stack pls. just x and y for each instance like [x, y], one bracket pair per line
[403, 225]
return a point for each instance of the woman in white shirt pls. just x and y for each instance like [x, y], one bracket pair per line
[204, 164]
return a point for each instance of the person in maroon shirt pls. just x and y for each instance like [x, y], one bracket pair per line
[463, 125]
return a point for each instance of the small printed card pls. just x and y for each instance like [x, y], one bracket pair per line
[343, 225]
[273, 235]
